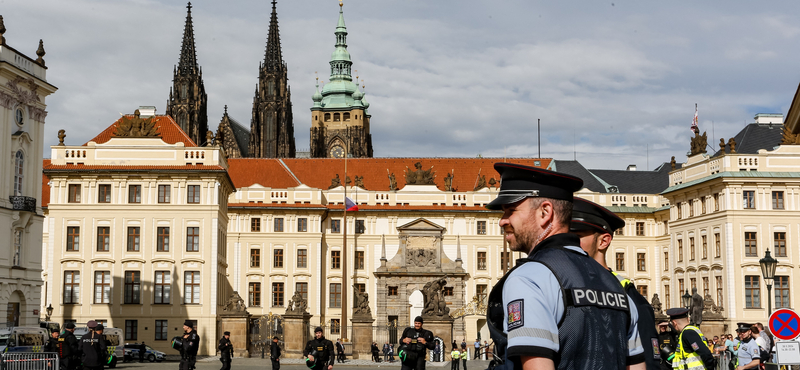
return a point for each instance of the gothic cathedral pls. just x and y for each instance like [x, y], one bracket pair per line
[339, 116]
[187, 96]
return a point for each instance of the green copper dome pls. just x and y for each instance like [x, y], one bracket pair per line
[338, 93]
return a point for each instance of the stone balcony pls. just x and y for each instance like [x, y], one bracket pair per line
[21, 203]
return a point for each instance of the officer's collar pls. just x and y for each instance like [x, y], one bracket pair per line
[556, 241]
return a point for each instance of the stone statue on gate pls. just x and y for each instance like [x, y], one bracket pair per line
[234, 304]
[696, 308]
[435, 304]
[361, 303]
[656, 303]
[297, 305]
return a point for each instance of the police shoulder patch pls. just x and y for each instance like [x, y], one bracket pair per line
[756, 352]
[695, 346]
[515, 314]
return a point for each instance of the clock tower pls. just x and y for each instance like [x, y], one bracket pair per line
[340, 118]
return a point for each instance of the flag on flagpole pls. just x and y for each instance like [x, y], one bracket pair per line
[350, 205]
[694, 121]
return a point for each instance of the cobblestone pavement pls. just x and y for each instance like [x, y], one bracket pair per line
[253, 363]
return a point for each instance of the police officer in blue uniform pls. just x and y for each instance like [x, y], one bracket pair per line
[595, 225]
[748, 355]
[557, 308]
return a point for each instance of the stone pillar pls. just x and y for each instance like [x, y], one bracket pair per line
[237, 324]
[441, 327]
[295, 327]
[362, 336]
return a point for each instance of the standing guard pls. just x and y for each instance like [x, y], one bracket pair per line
[225, 351]
[190, 343]
[692, 351]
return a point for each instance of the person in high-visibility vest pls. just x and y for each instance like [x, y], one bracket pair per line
[692, 351]
[455, 358]
[464, 356]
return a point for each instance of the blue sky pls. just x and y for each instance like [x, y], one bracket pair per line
[610, 81]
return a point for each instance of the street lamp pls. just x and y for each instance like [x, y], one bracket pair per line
[768, 265]
[687, 299]
[49, 310]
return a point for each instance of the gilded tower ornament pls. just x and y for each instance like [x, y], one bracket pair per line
[40, 52]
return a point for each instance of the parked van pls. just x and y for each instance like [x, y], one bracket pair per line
[113, 337]
[22, 339]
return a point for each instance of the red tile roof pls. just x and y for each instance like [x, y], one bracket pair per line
[317, 173]
[45, 186]
[266, 172]
[170, 132]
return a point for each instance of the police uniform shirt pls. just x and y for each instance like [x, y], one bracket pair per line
[532, 296]
[748, 351]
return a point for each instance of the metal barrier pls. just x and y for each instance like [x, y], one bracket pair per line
[29, 361]
[723, 359]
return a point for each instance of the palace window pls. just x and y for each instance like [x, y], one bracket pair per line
[392, 290]
[718, 281]
[782, 292]
[278, 225]
[74, 193]
[666, 261]
[481, 227]
[640, 229]
[302, 258]
[193, 194]
[327, 117]
[192, 239]
[346, 116]
[302, 225]
[336, 259]
[706, 288]
[691, 249]
[780, 244]
[103, 238]
[19, 163]
[777, 200]
[134, 194]
[681, 287]
[254, 293]
[505, 260]
[302, 288]
[693, 282]
[336, 326]
[642, 290]
[335, 295]
[131, 329]
[102, 287]
[133, 239]
[752, 292]
[481, 260]
[277, 258]
[162, 287]
[750, 246]
[73, 238]
[191, 287]
[716, 202]
[255, 258]
[72, 287]
[481, 290]
[164, 192]
[359, 262]
[749, 199]
[641, 265]
[717, 246]
[620, 261]
[680, 250]
[336, 117]
[360, 229]
[17, 260]
[162, 330]
[277, 294]
[691, 207]
[162, 239]
[255, 224]
[448, 291]
[667, 304]
[133, 286]
[704, 241]
[104, 193]
[336, 226]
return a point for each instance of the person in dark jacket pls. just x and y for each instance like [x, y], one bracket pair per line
[142, 351]
[225, 350]
[52, 344]
[375, 352]
[275, 354]
[93, 346]
[68, 354]
[340, 356]
[416, 341]
[319, 350]
[189, 346]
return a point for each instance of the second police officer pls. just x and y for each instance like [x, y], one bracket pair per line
[93, 347]
[748, 355]
[691, 351]
[225, 348]
[69, 350]
[557, 308]
[319, 352]
[595, 225]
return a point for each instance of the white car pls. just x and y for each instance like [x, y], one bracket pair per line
[132, 353]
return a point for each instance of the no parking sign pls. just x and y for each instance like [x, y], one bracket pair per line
[784, 324]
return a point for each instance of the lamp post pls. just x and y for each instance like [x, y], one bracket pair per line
[687, 299]
[49, 310]
[768, 265]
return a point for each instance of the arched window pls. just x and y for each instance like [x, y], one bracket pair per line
[184, 91]
[327, 117]
[18, 172]
[17, 258]
[182, 122]
[271, 87]
[336, 117]
[347, 116]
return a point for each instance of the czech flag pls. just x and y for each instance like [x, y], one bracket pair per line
[350, 205]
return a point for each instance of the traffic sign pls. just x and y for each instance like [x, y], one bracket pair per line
[784, 324]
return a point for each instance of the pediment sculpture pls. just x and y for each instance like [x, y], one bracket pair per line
[699, 142]
[420, 176]
[136, 127]
[234, 304]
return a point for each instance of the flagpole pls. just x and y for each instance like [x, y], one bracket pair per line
[345, 305]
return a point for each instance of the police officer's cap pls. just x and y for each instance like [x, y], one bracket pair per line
[677, 313]
[743, 327]
[418, 319]
[226, 333]
[69, 325]
[518, 182]
[99, 327]
[53, 331]
[91, 324]
[318, 329]
[188, 323]
[588, 215]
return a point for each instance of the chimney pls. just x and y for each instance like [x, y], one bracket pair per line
[631, 167]
[146, 111]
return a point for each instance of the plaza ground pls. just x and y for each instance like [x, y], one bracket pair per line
[257, 363]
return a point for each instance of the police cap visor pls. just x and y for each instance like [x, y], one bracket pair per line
[518, 182]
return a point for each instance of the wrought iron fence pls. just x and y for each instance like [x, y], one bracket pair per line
[29, 361]
[262, 330]
[21, 203]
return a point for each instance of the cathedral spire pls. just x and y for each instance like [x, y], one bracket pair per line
[273, 58]
[188, 59]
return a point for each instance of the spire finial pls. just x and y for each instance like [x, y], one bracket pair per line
[189, 6]
[40, 52]
[2, 31]
[226, 109]
[341, 4]
[188, 59]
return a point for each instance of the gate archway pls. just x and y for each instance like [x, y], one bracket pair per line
[262, 330]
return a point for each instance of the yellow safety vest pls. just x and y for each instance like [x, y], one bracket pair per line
[691, 360]
[455, 355]
[624, 281]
